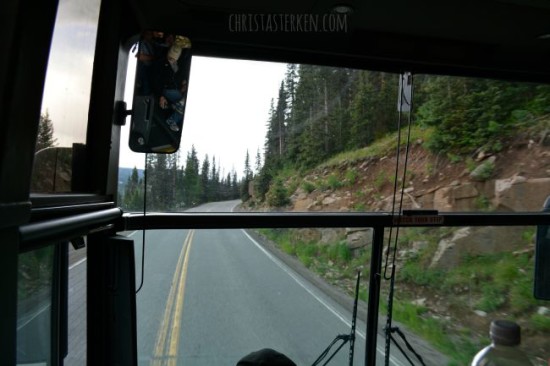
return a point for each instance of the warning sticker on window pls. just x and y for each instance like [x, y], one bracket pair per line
[418, 220]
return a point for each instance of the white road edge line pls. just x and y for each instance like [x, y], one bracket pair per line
[35, 315]
[77, 263]
[333, 311]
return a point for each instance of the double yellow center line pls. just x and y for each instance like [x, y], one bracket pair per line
[166, 347]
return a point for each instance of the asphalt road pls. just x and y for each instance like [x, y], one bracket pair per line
[212, 296]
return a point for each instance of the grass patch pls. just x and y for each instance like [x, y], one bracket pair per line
[339, 253]
[492, 298]
[351, 176]
[540, 322]
[416, 273]
[380, 147]
[460, 349]
[306, 253]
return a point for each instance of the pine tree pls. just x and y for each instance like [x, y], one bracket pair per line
[180, 204]
[280, 120]
[205, 180]
[271, 141]
[45, 137]
[133, 193]
[191, 181]
[235, 191]
[245, 195]
[258, 166]
[214, 181]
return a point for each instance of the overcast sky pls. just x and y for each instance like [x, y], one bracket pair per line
[227, 109]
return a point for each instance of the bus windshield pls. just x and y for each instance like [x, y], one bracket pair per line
[270, 137]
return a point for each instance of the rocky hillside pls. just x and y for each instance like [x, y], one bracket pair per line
[487, 271]
[517, 179]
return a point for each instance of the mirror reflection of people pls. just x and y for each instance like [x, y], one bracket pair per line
[171, 83]
[265, 357]
[151, 46]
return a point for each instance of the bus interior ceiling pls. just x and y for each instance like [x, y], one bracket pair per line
[495, 38]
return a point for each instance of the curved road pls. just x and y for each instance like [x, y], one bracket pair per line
[212, 296]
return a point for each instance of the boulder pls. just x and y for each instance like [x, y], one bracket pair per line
[330, 235]
[303, 205]
[521, 194]
[443, 199]
[358, 237]
[475, 241]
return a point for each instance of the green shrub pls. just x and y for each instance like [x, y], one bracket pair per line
[277, 195]
[454, 158]
[351, 177]
[334, 182]
[482, 203]
[359, 207]
[308, 186]
[485, 170]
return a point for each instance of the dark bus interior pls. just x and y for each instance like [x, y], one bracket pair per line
[496, 39]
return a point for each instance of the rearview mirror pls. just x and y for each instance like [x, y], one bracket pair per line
[160, 92]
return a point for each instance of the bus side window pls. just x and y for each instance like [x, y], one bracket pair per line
[65, 102]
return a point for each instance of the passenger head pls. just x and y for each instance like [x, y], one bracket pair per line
[265, 357]
[173, 54]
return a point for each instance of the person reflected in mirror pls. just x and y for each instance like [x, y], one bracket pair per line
[171, 83]
[151, 46]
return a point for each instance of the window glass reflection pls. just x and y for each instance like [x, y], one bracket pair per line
[65, 103]
[34, 302]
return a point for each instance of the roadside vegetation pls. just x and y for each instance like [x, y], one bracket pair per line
[499, 285]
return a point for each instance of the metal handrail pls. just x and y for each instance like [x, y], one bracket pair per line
[42, 233]
[134, 221]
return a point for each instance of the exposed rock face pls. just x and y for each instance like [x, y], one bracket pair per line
[475, 241]
[303, 205]
[443, 199]
[330, 235]
[521, 194]
[435, 183]
[357, 238]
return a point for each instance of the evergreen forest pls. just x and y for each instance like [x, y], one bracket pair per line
[321, 111]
